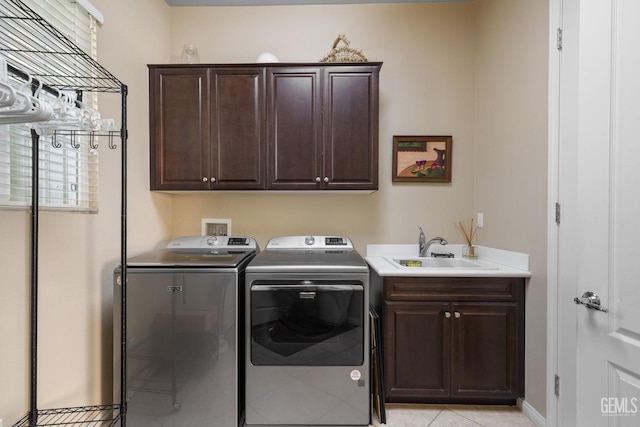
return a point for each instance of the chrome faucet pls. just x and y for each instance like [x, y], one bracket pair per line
[423, 246]
[432, 241]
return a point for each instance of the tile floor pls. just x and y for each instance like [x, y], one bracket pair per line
[453, 416]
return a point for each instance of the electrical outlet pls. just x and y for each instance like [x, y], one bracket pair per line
[216, 227]
[480, 220]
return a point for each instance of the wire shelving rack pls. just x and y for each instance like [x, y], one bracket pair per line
[38, 53]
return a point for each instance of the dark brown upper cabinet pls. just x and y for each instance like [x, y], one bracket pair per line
[295, 128]
[207, 128]
[323, 127]
[254, 127]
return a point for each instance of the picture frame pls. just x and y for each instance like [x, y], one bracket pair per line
[422, 158]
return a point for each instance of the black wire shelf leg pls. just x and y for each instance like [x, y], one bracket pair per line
[123, 260]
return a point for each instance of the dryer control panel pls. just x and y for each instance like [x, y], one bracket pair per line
[309, 242]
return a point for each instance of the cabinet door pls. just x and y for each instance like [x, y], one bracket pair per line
[179, 128]
[487, 342]
[350, 135]
[238, 153]
[416, 350]
[295, 146]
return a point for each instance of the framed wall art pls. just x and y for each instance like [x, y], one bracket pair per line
[422, 158]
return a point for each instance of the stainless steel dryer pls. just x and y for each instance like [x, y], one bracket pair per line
[307, 333]
[185, 323]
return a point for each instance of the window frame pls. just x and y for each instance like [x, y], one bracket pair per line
[68, 165]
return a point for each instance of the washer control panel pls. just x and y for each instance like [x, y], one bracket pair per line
[309, 242]
[218, 242]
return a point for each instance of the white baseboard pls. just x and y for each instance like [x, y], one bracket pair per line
[532, 414]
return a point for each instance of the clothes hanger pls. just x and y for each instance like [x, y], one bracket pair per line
[30, 108]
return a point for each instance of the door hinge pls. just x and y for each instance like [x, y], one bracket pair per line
[557, 213]
[559, 39]
[557, 385]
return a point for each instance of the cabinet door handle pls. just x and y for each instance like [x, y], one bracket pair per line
[326, 179]
[205, 179]
[318, 179]
[447, 314]
[457, 314]
[213, 179]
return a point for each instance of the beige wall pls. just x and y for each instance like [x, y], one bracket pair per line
[443, 73]
[511, 154]
[14, 254]
[426, 88]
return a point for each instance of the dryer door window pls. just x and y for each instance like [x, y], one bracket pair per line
[312, 323]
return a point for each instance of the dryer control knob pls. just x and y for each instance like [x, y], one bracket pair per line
[309, 240]
[212, 241]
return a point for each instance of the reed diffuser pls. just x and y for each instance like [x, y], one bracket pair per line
[468, 230]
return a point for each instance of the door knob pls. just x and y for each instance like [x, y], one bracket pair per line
[447, 314]
[590, 300]
[326, 179]
[457, 314]
[205, 179]
[318, 179]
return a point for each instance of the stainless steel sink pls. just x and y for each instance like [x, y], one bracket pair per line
[438, 263]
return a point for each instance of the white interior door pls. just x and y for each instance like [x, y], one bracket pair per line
[599, 232]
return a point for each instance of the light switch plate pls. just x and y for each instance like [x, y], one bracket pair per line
[216, 227]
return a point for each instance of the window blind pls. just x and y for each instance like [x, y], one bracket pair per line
[68, 165]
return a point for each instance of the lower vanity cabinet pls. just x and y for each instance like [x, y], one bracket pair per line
[453, 340]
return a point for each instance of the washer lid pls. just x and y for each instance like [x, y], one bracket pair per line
[199, 251]
[209, 259]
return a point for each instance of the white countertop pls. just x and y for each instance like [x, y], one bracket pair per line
[493, 262]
